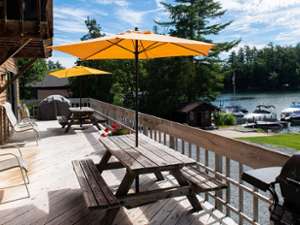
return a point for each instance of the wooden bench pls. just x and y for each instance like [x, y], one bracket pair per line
[202, 181]
[96, 193]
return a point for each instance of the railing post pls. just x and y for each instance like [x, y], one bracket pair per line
[228, 189]
[241, 195]
[172, 142]
[145, 130]
[218, 168]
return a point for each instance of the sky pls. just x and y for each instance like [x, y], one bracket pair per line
[255, 22]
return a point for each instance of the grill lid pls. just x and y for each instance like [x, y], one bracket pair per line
[289, 180]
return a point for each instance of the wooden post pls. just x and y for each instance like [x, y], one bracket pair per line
[13, 52]
[172, 142]
[218, 168]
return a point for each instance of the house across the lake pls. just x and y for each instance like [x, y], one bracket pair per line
[198, 114]
[50, 86]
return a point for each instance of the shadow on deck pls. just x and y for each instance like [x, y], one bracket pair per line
[57, 199]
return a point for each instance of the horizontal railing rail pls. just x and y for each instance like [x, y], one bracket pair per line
[221, 156]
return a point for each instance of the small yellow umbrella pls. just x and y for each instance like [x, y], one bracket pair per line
[135, 45]
[77, 71]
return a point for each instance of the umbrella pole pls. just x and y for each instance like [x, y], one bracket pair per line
[80, 94]
[136, 53]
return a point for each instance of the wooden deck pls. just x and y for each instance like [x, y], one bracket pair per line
[57, 199]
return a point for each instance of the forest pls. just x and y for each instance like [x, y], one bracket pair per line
[271, 68]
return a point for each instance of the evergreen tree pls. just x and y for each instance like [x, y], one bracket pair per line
[94, 29]
[54, 65]
[270, 68]
[179, 80]
[116, 88]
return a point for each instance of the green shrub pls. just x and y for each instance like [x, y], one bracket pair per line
[224, 119]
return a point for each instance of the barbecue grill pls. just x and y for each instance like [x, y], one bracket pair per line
[287, 180]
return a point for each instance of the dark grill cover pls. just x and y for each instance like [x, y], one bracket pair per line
[53, 106]
[289, 180]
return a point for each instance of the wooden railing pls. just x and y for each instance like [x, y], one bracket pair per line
[218, 155]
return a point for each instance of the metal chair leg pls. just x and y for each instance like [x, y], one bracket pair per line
[26, 175]
[25, 183]
[37, 136]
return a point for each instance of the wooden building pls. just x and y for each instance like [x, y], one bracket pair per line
[7, 70]
[198, 114]
[50, 86]
[26, 30]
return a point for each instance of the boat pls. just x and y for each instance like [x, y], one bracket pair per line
[292, 113]
[236, 110]
[267, 125]
[261, 113]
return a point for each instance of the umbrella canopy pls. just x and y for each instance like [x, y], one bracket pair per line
[77, 71]
[123, 46]
[135, 45]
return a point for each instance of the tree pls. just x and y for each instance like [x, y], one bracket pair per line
[116, 88]
[36, 73]
[270, 68]
[54, 65]
[178, 80]
[94, 29]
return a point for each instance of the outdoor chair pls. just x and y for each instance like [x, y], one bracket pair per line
[25, 115]
[19, 127]
[10, 161]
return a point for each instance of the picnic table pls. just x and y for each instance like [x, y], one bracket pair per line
[80, 116]
[149, 157]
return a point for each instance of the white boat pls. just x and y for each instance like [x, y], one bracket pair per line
[261, 113]
[292, 113]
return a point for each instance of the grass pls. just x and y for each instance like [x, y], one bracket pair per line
[281, 140]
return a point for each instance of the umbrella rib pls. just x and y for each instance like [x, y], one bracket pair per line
[190, 49]
[120, 46]
[143, 50]
[152, 46]
[95, 53]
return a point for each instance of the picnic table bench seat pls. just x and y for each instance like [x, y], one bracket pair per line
[202, 181]
[96, 193]
[62, 120]
[95, 190]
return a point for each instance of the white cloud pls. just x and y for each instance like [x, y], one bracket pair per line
[274, 19]
[116, 2]
[133, 17]
[257, 6]
[130, 16]
[71, 19]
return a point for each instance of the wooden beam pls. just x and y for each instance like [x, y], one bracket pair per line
[21, 72]
[39, 15]
[12, 53]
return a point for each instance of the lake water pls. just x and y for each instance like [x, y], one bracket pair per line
[280, 100]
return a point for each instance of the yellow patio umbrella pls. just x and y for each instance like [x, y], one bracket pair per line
[135, 45]
[77, 71]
